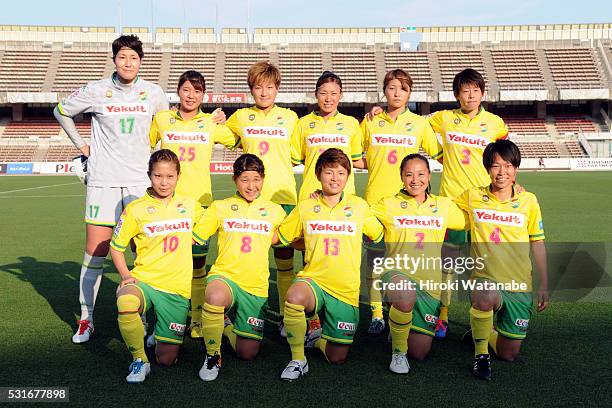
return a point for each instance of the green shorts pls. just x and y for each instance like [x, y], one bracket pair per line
[341, 319]
[170, 312]
[250, 310]
[370, 245]
[514, 314]
[456, 238]
[426, 309]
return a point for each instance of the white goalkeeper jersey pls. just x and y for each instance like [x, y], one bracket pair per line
[121, 118]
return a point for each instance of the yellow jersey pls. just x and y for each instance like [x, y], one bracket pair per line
[269, 137]
[312, 136]
[245, 236]
[416, 231]
[501, 232]
[163, 236]
[386, 143]
[192, 141]
[464, 141]
[332, 237]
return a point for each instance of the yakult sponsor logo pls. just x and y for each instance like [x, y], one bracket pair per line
[154, 229]
[500, 218]
[123, 108]
[346, 326]
[177, 327]
[186, 137]
[417, 221]
[465, 139]
[331, 227]
[252, 226]
[255, 322]
[319, 140]
[394, 140]
[266, 131]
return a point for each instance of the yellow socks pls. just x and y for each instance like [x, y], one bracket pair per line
[443, 313]
[493, 340]
[295, 324]
[399, 326]
[130, 325]
[198, 287]
[231, 336]
[321, 344]
[284, 278]
[482, 325]
[212, 328]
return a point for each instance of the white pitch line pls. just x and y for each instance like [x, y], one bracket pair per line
[44, 196]
[35, 188]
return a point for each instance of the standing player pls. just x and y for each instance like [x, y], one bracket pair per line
[505, 225]
[390, 135]
[160, 223]
[324, 129]
[246, 224]
[332, 226]
[122, 107]
[415, 222]
[265, 131]
[465, 133]
[191, 134]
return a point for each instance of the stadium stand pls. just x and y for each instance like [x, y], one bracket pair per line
[151, 66]
[417, 65]
[24, 70]
[300, 70]
[574, 124]
[204, 62]
[539, 149]
[41, 128]
[17, 153]
[236, 67]
[59, 153]
[357, 70]
[452, 62]
[517, 69]
[575, 149]
[574, 68]
[77, 68]
[526, 126]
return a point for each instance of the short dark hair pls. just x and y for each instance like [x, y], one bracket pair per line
[506, 149]
[330, 158]
[164, 155]
[328, 76]
[248, 162]
[415, 156]
[468, 76]
[128, 41]
[195, 78]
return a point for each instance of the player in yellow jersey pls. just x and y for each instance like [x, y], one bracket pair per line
[160, 223]
[265, 130]
[191, 134]
[505, 226]
[246, 224]
[465, 133]
[415, 223]
[332, 226]
[323, 129]
[387, 137]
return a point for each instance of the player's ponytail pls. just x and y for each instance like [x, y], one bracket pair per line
[248, 162]
[164, 155]
[416, 156]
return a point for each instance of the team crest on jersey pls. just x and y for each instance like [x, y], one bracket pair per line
[317, 208]
[151, 210]
[234, 207]
[515, 204]
[485, 198]
[339, 126]
[404, 205]
[252, 117]
[263, 212]
[483, 127]
[143, 95]
[172, 121]
[311, 125]
[409, 127]
[280, 120]
[457, 121]
[381, 123]
[434, 208]
[181, 209]
[348, 211]
[109, 94]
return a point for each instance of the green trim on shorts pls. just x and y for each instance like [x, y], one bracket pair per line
[457, 239]
[199, 251]
[341, 319]
[250, 309]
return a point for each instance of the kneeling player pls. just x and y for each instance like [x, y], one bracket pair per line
[415, 222]
[161, 225]
[246, 224]
[332, 226]
[503, 223]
